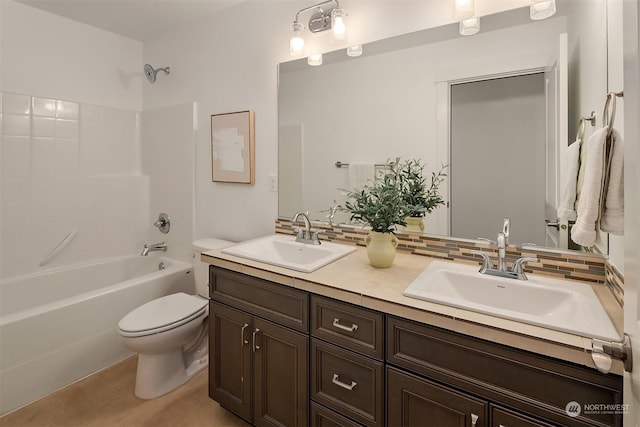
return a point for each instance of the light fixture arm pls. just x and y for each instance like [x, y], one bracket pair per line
[314, 7]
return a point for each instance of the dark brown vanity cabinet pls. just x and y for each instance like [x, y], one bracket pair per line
[465, 380]
[282, 356]
[258, 368]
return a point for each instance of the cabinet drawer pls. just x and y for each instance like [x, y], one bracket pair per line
[502, 417]
[356, 328]
[282, 304]
[323, 417]
[347, 382]
[534, 384]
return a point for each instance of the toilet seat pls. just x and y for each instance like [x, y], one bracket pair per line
[162, 314]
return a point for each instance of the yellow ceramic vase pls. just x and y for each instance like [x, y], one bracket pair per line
[381, 248]
[414, 224]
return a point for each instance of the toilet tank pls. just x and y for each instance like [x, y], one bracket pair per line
[201, 269]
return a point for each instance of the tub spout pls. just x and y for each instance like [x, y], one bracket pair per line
[154, 247]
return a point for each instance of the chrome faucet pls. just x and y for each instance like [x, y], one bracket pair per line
[305, 236]
[153, 248]
[517, 271]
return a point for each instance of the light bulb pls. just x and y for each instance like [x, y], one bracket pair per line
[338, 25]
[469, 27]
[315, 59]
[296, 45]
[463, 9]
[542, 9]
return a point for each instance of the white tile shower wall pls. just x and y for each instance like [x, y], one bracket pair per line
[67, 166]
[168, 160]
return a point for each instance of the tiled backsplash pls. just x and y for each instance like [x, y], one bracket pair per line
[566, 265]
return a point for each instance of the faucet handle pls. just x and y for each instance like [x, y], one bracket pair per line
[298, 231]
[484, 239]
[517, 267]
[487, 264]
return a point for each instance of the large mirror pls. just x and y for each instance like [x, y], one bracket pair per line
[498, 108]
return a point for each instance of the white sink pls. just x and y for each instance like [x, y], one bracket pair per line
[284, 251]
[553, 303]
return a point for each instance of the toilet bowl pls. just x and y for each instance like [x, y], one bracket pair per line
[170, 333]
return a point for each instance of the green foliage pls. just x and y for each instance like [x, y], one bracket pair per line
[381, 205]
[399, 193]
[410, 177]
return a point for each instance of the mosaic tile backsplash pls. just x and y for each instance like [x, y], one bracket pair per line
[565, 265]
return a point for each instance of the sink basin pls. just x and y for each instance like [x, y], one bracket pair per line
[284, 251]
[553, 303]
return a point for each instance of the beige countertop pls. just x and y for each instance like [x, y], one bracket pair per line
[352, 279]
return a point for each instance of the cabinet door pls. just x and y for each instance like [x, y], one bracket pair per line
[415, 402]
[281, 375]
[230, 359]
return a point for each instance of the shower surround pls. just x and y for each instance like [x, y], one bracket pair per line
[68, 166]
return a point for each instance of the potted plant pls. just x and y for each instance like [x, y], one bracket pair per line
[382, 206]
[421, 199]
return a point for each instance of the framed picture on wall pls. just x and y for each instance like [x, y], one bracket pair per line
[232, 147]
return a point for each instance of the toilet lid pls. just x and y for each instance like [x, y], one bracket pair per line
[163, 313]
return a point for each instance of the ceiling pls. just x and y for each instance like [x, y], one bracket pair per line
[136, 19]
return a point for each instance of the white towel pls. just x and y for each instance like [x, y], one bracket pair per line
[612, 218]
[584, 230]
[567, 209]
[360, 174]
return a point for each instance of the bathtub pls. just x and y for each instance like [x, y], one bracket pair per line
[60, 325]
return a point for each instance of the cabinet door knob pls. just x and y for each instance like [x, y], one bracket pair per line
[255, 346]
[242, 340]
[474, 420]
[352, 328]
[339, 383]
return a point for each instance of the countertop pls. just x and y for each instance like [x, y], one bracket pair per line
[352, 279]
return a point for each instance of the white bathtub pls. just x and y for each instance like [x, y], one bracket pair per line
[60, 325]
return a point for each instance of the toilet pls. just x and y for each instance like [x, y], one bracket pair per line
[170, 333]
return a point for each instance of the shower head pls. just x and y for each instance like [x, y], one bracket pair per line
[150, 72]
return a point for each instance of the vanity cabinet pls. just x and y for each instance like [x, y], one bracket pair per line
[347, 363]
[283, 356]
[512, 387]
[259, 349]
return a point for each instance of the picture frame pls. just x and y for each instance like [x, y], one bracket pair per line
[232, 147]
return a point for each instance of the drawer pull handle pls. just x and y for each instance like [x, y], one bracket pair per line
[242, 340]
[352, 328]
[345, 386]
[474, 419]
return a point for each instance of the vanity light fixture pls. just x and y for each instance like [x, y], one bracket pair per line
[355, 50]
[463, 9]
[469, 27]
[321, 20]
[542, 9]
[315, 59]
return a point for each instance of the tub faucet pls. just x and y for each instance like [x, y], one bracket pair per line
[153, 248]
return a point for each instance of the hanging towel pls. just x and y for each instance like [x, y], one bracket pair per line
[567, 209]
[612, 218]
[360, 174]
[584, 230]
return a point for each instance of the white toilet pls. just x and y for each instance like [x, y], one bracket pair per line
[170, 333]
